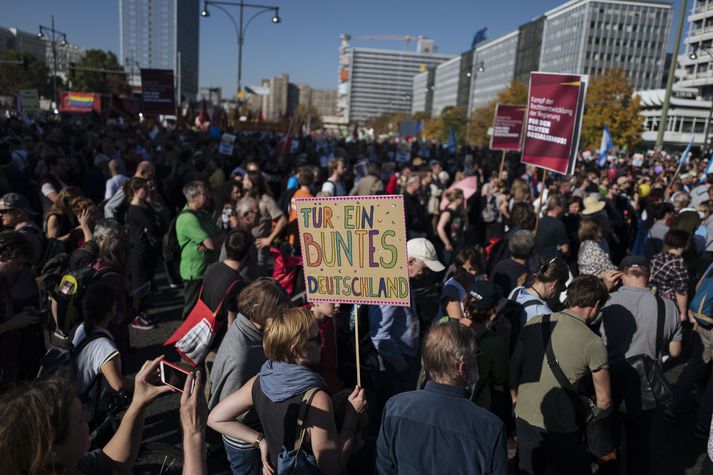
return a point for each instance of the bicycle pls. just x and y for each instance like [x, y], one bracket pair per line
[153, 457]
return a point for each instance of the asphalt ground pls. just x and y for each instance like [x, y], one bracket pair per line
[675, 450]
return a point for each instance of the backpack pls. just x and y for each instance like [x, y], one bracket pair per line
[59, 361]
[702, 302]
[515, 313]
[70, 293]
[490, 212]
[51, 247]
[171, 250]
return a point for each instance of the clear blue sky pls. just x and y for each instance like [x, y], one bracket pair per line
[305, 45]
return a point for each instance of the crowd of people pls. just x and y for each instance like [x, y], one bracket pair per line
[536, 299]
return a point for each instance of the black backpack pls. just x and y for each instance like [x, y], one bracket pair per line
[59, 361]
[513, 312]
[171, 250]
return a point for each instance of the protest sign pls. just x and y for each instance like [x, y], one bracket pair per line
[507, 127]
[553, 119]
[30, 100]
[354, 249]
[158, 92]
[79, 102]
[227, 144]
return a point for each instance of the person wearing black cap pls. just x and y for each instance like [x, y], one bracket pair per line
[16, 213]
[480, 309]
[629, 328]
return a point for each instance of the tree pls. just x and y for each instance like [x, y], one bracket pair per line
[457, 118]
[31, 74]
[308, 115]
[610, 101]
[97, 81]
[482, 117]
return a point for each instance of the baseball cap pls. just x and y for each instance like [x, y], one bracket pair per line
[634, 261]
[485, 294]
[423, 250]
[15, 201]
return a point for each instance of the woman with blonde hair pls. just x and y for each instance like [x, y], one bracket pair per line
[284, 383]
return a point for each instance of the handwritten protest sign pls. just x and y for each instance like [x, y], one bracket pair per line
[354, 249]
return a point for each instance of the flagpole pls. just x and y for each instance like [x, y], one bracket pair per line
[356, 344]
[539, 205]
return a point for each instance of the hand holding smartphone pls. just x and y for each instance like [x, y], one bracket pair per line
[174, 376]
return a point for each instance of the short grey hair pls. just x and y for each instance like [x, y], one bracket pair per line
[521, 244]
[555, 201]
[244, 205]
[193, 189]
[106, 227]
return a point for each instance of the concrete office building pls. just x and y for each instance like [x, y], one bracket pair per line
[373, 82]
[325, 101]
[420, 91]
[41, 48]
[698, 67]
[274, 105]
[593, 36]
[445, 92]
[161, 34]
[493, 69]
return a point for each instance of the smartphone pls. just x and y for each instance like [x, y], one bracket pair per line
[172, 375]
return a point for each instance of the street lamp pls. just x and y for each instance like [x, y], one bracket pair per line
[241, 27]
[53, 36]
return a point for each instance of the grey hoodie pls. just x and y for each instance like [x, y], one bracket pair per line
[239, 358]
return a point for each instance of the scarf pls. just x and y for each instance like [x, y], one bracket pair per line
[281, 381]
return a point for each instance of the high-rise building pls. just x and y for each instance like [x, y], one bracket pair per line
[697, 61]
[212, 95]
[161, 34]
[446, 94]
[275, 103]
[373, 82]
[493, 68]
[325, 101]
[594, 36]
[580, 37]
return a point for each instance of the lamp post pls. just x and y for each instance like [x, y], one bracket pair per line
[240, 27]
[53, 36]
[694, 56]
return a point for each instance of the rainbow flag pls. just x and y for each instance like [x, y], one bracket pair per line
[81, 101]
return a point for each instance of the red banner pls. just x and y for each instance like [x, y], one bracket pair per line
[554, 117]
[507, 127]
[159, 94]
[79, 102]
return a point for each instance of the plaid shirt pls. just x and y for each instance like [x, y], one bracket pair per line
[670, 275]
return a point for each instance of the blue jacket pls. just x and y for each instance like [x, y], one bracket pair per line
[437, 430]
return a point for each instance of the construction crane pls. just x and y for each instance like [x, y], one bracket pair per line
[407, 39]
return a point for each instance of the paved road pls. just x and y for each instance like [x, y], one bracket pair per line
[676, 450]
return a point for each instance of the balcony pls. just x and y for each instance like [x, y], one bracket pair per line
[701, 31]
[703, 8]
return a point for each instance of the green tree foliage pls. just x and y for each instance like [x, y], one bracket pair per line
[32, 74]
[610, 101]
[482, 117]
[456, 117]
[99, 82]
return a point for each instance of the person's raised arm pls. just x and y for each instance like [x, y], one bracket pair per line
[194, 416]
[123, 447]
[279, 226]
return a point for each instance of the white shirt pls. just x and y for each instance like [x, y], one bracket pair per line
[113, 185]
[88, 363]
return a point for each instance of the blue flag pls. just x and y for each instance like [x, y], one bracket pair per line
[685, 154]
[419, 126]
[452, 141]
[604, 147]
[709, 169]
